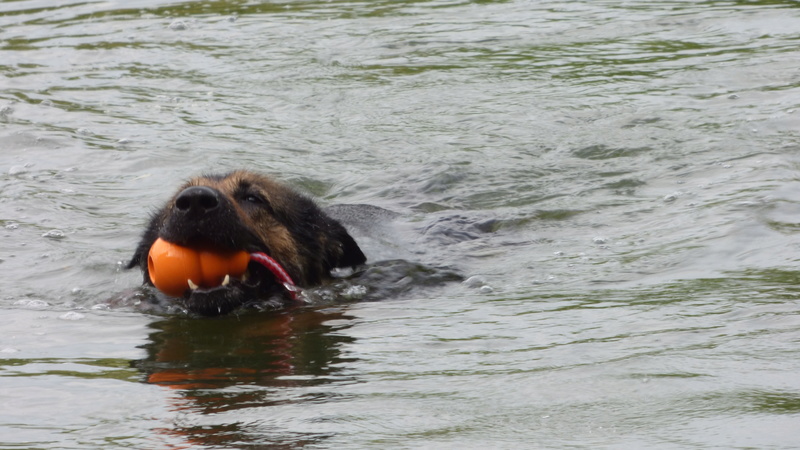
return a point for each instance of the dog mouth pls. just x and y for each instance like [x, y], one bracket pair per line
[232, 293]
[256, 287]
[253, 276]
[213, 282]
[246, 281]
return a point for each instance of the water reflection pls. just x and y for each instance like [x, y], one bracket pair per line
[218, 366]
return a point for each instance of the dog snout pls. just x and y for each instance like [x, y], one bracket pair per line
[197, 200]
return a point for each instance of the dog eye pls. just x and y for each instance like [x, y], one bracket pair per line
[254, 199]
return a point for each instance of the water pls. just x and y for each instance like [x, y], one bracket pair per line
[617, 181]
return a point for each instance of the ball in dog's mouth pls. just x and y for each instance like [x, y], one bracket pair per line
[174, 269]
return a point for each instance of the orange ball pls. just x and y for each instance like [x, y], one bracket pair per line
[171, 266]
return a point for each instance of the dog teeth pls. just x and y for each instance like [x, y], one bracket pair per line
[226, 280]
[192, 286]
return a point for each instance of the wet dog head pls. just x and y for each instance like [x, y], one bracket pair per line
[246, 211]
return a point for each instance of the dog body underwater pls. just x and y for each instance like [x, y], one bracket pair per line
[246, 211]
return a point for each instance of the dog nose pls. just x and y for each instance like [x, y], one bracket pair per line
[197, 199]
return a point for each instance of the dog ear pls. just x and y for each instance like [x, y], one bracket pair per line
[140, 254]
[351, 254]
[139, 257]
[338, 248]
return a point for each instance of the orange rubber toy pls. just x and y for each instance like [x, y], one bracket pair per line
[172, 267]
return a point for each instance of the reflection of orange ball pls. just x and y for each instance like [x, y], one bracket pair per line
[172, 266]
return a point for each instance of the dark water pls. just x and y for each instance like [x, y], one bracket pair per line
[616, 181]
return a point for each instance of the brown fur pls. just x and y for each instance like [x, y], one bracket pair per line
[243, 210]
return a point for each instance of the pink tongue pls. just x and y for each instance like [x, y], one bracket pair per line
[278, 271]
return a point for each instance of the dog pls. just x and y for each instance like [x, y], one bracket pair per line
[247, 211]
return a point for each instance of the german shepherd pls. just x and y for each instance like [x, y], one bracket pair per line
[242, 210]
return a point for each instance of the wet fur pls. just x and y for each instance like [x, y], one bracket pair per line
[255, 213]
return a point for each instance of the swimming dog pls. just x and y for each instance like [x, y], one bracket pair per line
[246, 211]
